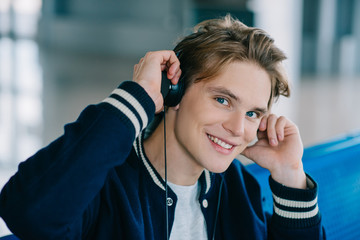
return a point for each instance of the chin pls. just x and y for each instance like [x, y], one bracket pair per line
[220, 168]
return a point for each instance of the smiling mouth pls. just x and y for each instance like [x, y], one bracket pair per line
[220, 142]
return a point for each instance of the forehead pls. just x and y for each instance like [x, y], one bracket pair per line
[244, 80]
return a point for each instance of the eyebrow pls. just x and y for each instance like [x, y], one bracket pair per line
[227, 92]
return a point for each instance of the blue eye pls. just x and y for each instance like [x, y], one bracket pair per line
[222, 101]
[252, 114]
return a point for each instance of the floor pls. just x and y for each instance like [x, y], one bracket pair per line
[41, 90]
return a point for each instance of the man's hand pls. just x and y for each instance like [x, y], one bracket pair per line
[147, 73]
[279, 149]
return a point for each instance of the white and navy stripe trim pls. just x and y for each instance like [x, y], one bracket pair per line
[132, 117]
[139, 149]
[207, 181]
[135, 103]
[123, 99]
[296, 215]
[294, 204]
[140, 153]
[295, 207]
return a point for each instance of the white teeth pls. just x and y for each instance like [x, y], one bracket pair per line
[219, 142]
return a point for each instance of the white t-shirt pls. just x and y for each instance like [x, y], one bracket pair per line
[189, 222]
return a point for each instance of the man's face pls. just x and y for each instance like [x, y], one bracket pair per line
[218, 118]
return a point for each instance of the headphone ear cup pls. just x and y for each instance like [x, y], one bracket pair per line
[175, 94]
[172, 94]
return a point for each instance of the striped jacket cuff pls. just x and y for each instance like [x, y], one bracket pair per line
[132, 104]
[295, 208]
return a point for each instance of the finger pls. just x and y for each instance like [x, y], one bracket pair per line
[263, 123]
[280, 126]
[176, 77]
[173, 70]
[261, 135]
[163, 67]
[271, 132]
[136, 66]
[140, 63]
[169, 62]
[173, 64]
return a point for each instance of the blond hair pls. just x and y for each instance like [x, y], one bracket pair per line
[218, 42]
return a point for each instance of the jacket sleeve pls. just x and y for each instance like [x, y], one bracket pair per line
[48, 195]
[296, 214]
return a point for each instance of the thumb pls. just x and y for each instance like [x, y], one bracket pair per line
[249, 152]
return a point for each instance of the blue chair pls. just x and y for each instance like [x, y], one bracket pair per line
[335, 165]
[9, 237]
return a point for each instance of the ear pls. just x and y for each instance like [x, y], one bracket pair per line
[176, 107]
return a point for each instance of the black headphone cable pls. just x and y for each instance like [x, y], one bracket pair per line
[166, 186]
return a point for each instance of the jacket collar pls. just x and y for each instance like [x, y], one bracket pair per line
[206, 177]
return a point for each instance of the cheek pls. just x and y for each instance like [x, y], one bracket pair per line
[196, 112]
[251, 132]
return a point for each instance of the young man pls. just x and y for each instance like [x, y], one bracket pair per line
[103, 180]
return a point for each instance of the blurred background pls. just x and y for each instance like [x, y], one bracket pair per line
[58, 56]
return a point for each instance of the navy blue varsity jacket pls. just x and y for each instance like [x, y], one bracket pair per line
[95, 182]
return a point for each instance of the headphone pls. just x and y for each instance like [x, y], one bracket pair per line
[172, 94]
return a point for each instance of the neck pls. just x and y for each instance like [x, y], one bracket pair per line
[181, 168]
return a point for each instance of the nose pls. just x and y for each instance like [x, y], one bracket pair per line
[235, 123]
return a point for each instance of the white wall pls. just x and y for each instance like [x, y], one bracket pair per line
[282, 19]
